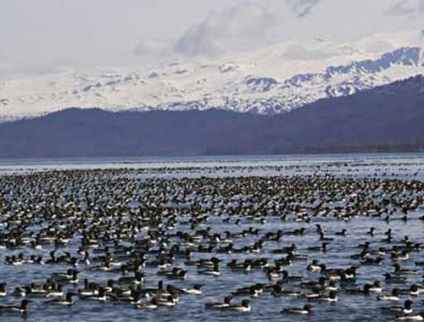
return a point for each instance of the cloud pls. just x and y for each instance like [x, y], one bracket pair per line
[238, 29]
[421, 54]
[322, 51]
[303, 8]
[153, 51]
[406, 8]
[401, 8]
[152, 47]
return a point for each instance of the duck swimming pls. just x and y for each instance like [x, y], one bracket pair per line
[405, 309]
[306, 309]
[115, 236]
[244, 306]
[394, 296]
[68, 301]
[22, 308]
[219, 305]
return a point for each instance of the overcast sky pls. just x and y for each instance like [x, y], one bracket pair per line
[91, 33]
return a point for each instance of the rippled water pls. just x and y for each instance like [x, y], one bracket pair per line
[401, 165]
[265, 307]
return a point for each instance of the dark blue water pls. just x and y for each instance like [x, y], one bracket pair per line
[265, 307]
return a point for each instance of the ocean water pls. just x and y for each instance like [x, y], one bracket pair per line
[404, 167]
[394, 165]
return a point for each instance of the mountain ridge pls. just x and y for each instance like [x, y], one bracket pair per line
[387, 118]
[271, 81]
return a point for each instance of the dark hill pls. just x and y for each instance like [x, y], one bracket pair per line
[388, 118]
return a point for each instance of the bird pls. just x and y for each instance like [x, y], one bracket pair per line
[68, 301]
[195, 290]
[167, 301]
[244, 306]
[306, 309]
[3, 290]
[219, 305]
[411, 317]
[405, 309]
[23, 308]
[151, 305]
[394, 296]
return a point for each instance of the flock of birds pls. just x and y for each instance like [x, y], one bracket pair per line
[139, 242]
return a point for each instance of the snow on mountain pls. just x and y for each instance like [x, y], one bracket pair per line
[270, 80]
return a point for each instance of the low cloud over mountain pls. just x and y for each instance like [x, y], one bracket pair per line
[407, 8]
[241, 28]
[303, 8]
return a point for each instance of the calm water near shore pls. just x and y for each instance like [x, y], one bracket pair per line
[355, 167]
[401, 165]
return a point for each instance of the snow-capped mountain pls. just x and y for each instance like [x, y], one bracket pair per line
[268, 81]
